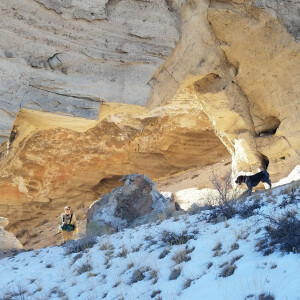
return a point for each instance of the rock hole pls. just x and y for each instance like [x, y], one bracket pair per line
[269, 127]
[211, 83]
[264, 161]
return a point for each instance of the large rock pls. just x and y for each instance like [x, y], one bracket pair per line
[243, 67]
[69, 56]
[135, 203]
[7, 240]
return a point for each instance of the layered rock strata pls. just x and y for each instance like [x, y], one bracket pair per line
[69, 56]
[240, 57]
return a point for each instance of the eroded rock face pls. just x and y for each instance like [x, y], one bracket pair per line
[69, 56]
[135, 203]
[243, 67]
[219, 66]
[287, 11]
[54, 160]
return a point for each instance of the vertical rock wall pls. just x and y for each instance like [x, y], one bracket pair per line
[243, 65]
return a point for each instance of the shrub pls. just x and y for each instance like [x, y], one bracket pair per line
[106, 246]
[187, 283]
[217, 250]
[236, 258]
[154, 293]
[164, 254]
[85, 267]
[181, 256]
[265, 296]
[154, 276]
[61, 294]
[75, 246]
[171, 238]
[96, 229]
[284, 232]
[76, 257]
[175, 273]
[124, 252]
[234, 246]
[246, 211]
[131, 265]
[226, 199]
[137, 275]
[227, 271]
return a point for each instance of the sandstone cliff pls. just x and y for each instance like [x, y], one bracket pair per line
[243, 66]
[93, 90]
[69, 56]
[55, 160]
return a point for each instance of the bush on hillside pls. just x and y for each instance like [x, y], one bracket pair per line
[171, 238]
[283, 233]
[75, 246]
[226, 200]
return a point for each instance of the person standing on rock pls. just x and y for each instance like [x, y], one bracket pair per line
[68, 226]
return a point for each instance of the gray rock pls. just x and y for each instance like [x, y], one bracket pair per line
[104, 54]
[7, 240]
[135, 203]
[54, 62]
[8, 54]
[287, 11]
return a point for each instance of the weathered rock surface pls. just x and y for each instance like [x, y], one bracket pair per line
[7, 240]
[56, 160]
[220, 66]
[243, 67]
[287, 11]
[68, 56]
[135, 203]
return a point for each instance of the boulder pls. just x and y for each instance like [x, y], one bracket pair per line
[135, 203]
[7, 240]
[3, 222]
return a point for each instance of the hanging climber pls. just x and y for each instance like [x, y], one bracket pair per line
[68, 226]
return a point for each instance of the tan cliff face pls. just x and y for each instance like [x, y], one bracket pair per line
[55, 160]
[208, 79]
[67, 57]
[243, 67]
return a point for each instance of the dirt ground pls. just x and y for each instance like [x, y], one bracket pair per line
[195, 178]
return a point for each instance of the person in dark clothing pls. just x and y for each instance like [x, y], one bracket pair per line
[254, 180]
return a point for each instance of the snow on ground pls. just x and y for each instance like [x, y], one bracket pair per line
[187, 257]
[187, 197]
[293, 176]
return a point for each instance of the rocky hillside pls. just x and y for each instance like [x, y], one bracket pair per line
[254, 254]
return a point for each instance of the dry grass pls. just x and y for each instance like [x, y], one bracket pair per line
[227, 271]
[85, 267]
[171, 238]
[175, 273]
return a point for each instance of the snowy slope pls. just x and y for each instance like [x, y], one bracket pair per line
[181, 258]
